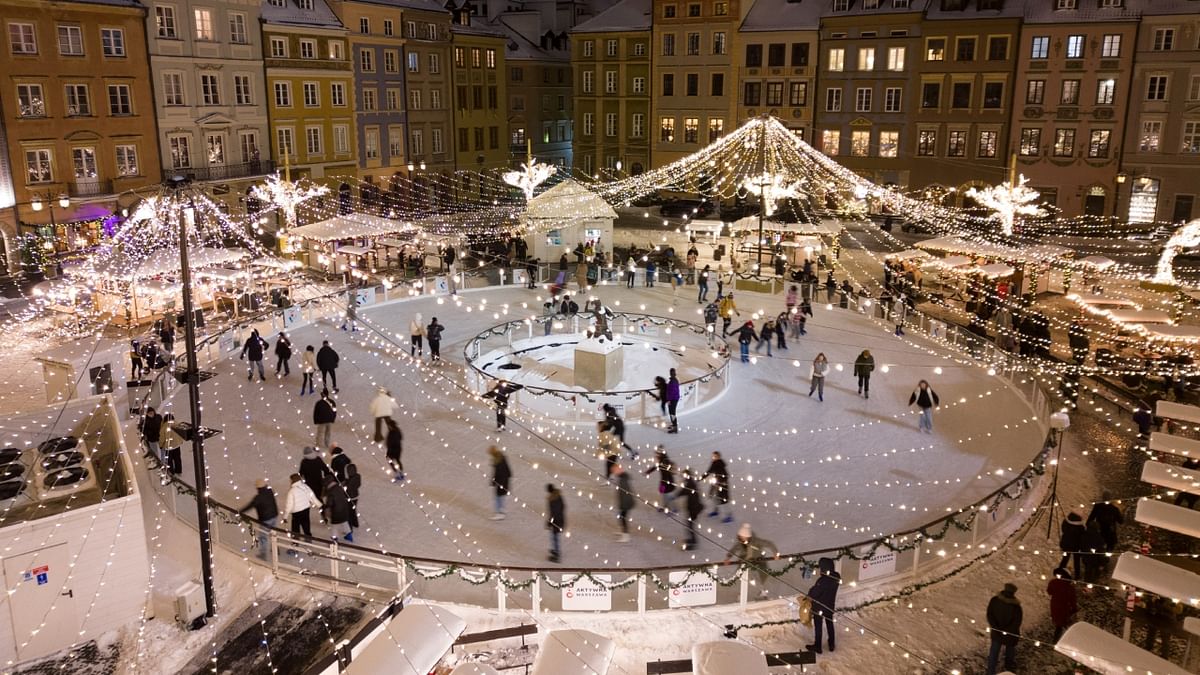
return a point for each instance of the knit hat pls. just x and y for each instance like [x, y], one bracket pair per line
[260, 483]
[745, 532]
[1009, 589]
[309, 451]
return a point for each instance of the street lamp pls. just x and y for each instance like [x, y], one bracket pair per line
[1121, 178]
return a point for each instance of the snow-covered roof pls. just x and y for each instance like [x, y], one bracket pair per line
[166, 261]
[1138, 315]
[1099, 262]
[1174, 445]
[349, 227]
[1169, 333]
[291, 14]
[772, 15]
[907, 254]
[994, 270]
[569, 200]
[1180, 519]
[415, 641]
[856, 9]
[472, 668]
[1168, 7]
[949, 262]
[751, 223]
[971, 11]
[1048, 12]
[1160, 578]
[1106, 653]
[1170, 476]
[721, 658]
[1092, 300]
[627, 15]
[574, 652]
[954, 244]
[1177, 411]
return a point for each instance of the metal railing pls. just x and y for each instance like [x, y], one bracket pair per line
[226, 171]
[92, 188]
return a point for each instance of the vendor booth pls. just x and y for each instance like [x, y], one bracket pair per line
[349, 241]
[564, 217]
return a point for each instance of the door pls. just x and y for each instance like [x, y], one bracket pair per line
[1183, 209]
[1094, 200]
[40, 601]
[87, 179]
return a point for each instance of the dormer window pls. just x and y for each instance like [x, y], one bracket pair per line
[1065, 4]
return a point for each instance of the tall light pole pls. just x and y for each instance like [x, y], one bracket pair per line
[762, 186]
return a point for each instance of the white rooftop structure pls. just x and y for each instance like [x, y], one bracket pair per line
[412, 643]
[1106, 653]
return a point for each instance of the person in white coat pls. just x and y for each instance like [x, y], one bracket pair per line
[383, 407]
[308, 365]
[300, 499]
[416, 334]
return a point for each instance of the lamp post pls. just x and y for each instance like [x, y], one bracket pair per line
[44, 200]
[1121, 178]
[1059, 423]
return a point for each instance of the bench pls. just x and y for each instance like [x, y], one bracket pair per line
[498, 634]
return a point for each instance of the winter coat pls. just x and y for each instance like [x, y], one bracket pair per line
[394, 443]
[924, 398]
[756, 548]
[819, 368]
[337, 505]
[254, 347]
[1072, 533]
[746, 335]
[1004, 614]
[666, 474]
[501, 392]
[1109, 516]
[791, 297]
[338, 464]
[416, 328]
[353, 482]
[169, 438]
[660, 385]
[824, 592]
[283, 348]
[711, 313]
[673, 389]
[308, 362]
[327, 359]
[727, 307]
[383, 405]
[501, 475]
[719, 473]
[324, 412]
[263, 504]
[314, 471]
[558, 513]
[695, 506]
[300, 498]
[434, 332]
[624, 493]
[1063, 604]
[151, 426]
[864, 365]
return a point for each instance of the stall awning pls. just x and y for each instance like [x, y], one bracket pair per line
[994, 270]
[720, 658]
[1098, 262]
[1091, 300]
[412, 643]
[1138, 316]
[1106, 653]
[959, 245]
[1162, 579]
[574, 652]
[710, 227]
[909, 254]
[1179, 519]
[949, 262]
[569, 201]
[351, 226]
[826, 229]
[1167, 333]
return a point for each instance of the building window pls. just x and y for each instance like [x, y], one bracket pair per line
[588, 47]
[692, 84]
[987, 143]
[798, 94]
[172, 89]
[279, 48]
[668, 85]
[337, 50]
[1065, 4]
[753, 56]
[490, 60]
[998, 48]
[889, 143]
[1031, 142]
[248, 142]
[120, 101]
[127, 160]
[366, 60]
[960, 95]
[862, 99]
[312, 95]
[993, 95]
[860, 143]
[476, 62]
[837, 60]
[435, 64]
[1075, 46]
[716, 127]
[84, 162]
[841, 5]
[417, 144]
[638, 129]
[1151, 137]
[892, 99]
[38, 168]
[666, 130]
[368, 99]
[1111, 47]
[935, 49]
[965, 49]
[691, 130]
[180, 148]
[718, 42]
[204, 25]
[210, 89]
[371, 143]
[956, 146]
[610, 47]
[285, 142]
[215, 145]
[414, 61]
[308, 49]
[693, 44]
[30, 101]
[926, 143]
[312, 138]
[341, 139]
[1191, 137]
[435, 141]
[589, 124]
[831, 140]
[70, 41]
[78, 102]
[895, 59]
[112, 42]
[1164, 39]
[435, 99]
[776, 53]
[1098, 143]
[283, 94]
[610, 81]
[720, 8]
[639, 85]
[1156, 88]
[1039, 47]
[1106, 91]
[774, 94]
[1064, 142]
[1035, 92]
[414, 99]
[610, 125]
[669, 11]
[588, 79]
[1194, 89]
[800, 54]
[694, 10]
[833, 99]
[21, 38]
[337, 93]
[389, 28]
[639, 49]
[364, 25]
[931, 95]
[752, 93]
[866, 58]
[393, 98]
[164, 20]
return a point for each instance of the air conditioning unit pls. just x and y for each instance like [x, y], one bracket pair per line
[190, 606]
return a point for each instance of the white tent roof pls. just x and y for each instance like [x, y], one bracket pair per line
[995, 270]
[949, 262]
[349, 227]
[474, 669]
[1099, 262]
[961, 245]
[829, 228]
[166, 261]
[1109, 654]
[908, 254]
[722, 658]
[1177, 411]
[1138, 315]
[1167, 333]
[1175, 445]
[574, 652]
[1160, 578]
[1089, 299]
[412, 643]
[569, 201]
[1170, 476]
[704, 226]
[1157, 513]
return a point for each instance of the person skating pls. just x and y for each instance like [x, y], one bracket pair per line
[728, 308]
[608, 444]
[673, 402]
[151, 427]
[1004, 622]
[830, 288]
[433, 332]
[338, 461]
[711, 314]
[1063, 601]
[651, 270]
[1109, 516]
[283, 355]
[500, 393]
[820, 365]
[617, 426]
[167, 337]
[501, 477]
[556, 520]
[625, 500]
[416, 333]
[383, 407]
[266, 510]
[1070, 542]
[353, 485]
[660, 395]
[781, 326]
[745, 335]
[864, 365]
[300, 498]
[327, 362]
[351, 314]
[824, 599]
[690, 491]
[764, 336]
[926, 399]
[324, 415]
[337, 511]
[666, 478]
[308, 367]
[792, 297]
[754, 552]
[253, 352]
[314, 470]
[630, 271]
[703, 283]
[718, 476]
[394, 443]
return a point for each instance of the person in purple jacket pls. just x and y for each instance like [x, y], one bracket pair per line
[673, 401]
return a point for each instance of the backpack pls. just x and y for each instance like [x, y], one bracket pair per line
[710, 313]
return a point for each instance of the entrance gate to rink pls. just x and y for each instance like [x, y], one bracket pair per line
[359, 571]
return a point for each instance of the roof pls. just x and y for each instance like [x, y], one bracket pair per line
[521, 48]
[486, 31]
[351, 226]
[569, 200]
[769, 15]
[132, 4]
[1106, 653]
[1012, 9]
[320, 16]
[1045, 12]
[426, 5]
[627, 15]
[885, 7]
[1166, 7]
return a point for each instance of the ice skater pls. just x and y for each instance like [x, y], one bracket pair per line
[863, 366]
[744, 335]
[383, 407]
[501, 476]
[500, 394]
[703, 283]
[765, 334]
[673, 402]
[727, 308]
[327, 362]
[926, 399]
[556, 520]
[711, 313]
[395, 448]
[283, 355]
[308, 366]
[690, 492]
[617, 426]
[666, 478]
[753, 552]
[253, 352]
[416, 334]
[433, 333]
[820, 365]
[324, 415]
[718, 476]
[625, 501]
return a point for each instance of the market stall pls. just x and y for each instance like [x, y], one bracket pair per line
[144, 291]
[564, 217]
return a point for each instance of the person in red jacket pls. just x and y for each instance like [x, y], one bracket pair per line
[1063, 603]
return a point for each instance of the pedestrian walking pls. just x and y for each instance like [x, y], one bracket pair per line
[253, 352]
[673, 402]
[352, 485]
[703, 283]
[151, 428]
[718, 478]
[823, 595]
[1109, 516]
[170, 444]
[327, 362]
[727, 308]
[500, 393]
[690, 492]
[556, 520]
[137, 367]
[899, 313]
[745, 335]
[651, 270]
[395, 447]
[266, 510]
[625, 501]
[926, 399]
[753, 552]
[830, 288]
[308, 367]
[765, 334]
[1094, 552]
[1004, 622]
[433, 332]
[630, 271]
[324, 415]
[501, 476]
[314, 470]
[820, 365]
[864, 365]
[1070, 542]
[383, 407]
[1063, 601]
[666, 478]
[337, 511]
[283, 354]
[300, 498]
[338, 461]
[167, 337]
[711, 313]
[416, 333]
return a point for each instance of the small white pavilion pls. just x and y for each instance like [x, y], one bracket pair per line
[564, 216]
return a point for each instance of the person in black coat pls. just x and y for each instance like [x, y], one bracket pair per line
[283, 352]
[1070, 542]
[501, 476]
[151, 428]
[352, 485]
[324, 415]
[695, 506]
[1109, 516]
[433, 333]
[314, 471]
[823, 595]
[253, 352]
[1004, 619]
[338, 462]
[327, 363]
[1094, 560]
[556, 521]
[500, 393]
[337, 510]
[616, 425]
[718, 475]
[395, 446]
[266, 509]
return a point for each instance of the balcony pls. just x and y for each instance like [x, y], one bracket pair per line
[225, 171]
[90, 188]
